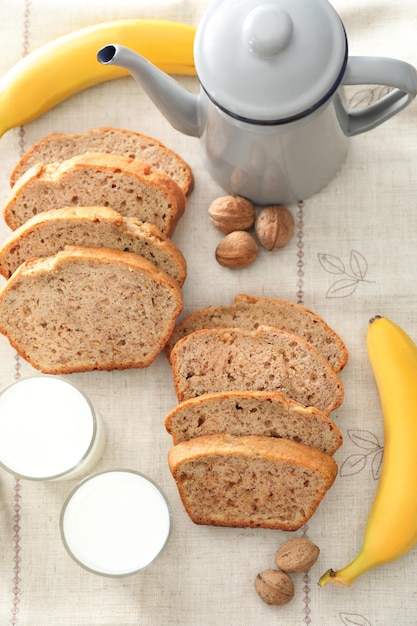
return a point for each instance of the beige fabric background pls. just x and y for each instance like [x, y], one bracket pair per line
[365, 221]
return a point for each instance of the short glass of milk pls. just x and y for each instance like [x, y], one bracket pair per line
[49, 429]
[115, 523]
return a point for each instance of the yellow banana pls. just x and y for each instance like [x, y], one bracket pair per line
[391, 529]
[68, 64]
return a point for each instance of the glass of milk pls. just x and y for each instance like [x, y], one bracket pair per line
[48, 429]
[115, 523]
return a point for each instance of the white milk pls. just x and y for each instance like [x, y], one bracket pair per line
[48, 429]
[115, 523]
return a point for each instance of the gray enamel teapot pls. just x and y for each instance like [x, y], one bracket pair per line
[271, 113]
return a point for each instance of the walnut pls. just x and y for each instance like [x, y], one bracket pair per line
[237, 250]
[274, 227]
[274, 587]
[296, 555]
[229, 213]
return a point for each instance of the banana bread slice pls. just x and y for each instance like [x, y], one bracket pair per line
[253, 413]
[130, 187]
[251, 312]
[58, 147]
[252, 481]
[89, 308]
[266, 359]
[94, 227]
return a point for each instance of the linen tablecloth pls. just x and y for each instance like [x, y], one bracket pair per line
[353, 255]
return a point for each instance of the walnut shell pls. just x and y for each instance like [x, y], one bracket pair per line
[237, 250]
[229, 213]
[274, 587]
[296, 555]
[274, 227]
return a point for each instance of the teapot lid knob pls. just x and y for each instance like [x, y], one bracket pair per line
[267, 30]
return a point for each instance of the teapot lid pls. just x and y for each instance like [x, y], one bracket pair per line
[270, 62]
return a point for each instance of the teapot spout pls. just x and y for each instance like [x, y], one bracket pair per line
[179, 106]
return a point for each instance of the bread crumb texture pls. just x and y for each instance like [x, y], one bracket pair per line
[250, 481]
[266, 359]
[251, 312]
[128, 186]
[58, 147]
[91, 226]
[253, 413]
[86, 308]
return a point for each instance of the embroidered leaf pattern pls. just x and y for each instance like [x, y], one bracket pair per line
[372, 449]
[377, 463]
[331, 263]
[358, 264]
[363, 98]
[355, 274]
[354, 464]
[364, 439]
[354, 619]
[342, 288]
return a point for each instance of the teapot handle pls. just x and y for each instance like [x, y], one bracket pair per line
[377, 71]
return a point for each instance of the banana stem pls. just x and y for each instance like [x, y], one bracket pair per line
[348, 574]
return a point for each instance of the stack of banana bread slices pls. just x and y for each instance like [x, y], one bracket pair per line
[253, 441]
[93, 279]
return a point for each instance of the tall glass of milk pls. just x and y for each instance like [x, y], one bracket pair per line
[116, 522]
[48, 429]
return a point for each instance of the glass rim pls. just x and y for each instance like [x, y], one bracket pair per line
[71, 469]
[92, 477]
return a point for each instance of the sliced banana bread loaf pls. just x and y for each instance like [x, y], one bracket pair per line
[251, 481]
[251, 312]
[89, 308]
[128, 186]
[253, 413]
[50, 231]
[266, 359]
[58, 147]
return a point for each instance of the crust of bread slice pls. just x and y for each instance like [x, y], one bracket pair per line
[250, 312]
[253, 413]
[58, 147]
[265, 359]
[93, 227]
[130, 187]
[89, 308]
[250, 481]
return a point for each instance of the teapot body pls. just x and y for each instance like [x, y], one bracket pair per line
[270, 114]
[273, 164]
[275, 126]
